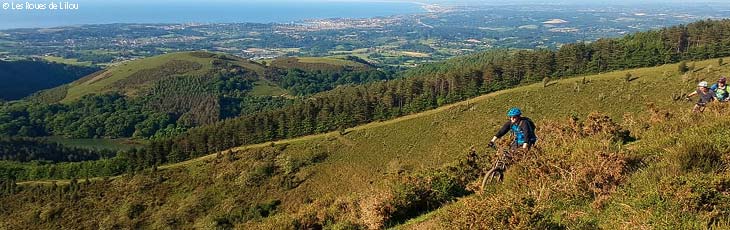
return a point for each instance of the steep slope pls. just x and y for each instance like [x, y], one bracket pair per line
[22, 78]
[346, 179]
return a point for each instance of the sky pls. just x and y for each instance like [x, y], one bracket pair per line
[443, 2]
[427, 1]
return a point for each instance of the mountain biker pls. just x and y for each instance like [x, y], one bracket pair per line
[522, 127]
[705, 96]
[721, 91]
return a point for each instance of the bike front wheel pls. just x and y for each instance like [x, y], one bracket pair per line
[493, 175]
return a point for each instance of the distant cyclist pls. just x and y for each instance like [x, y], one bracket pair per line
[721, 91]
[705, 96]
[522, 127]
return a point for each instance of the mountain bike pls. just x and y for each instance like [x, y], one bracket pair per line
[499, 165]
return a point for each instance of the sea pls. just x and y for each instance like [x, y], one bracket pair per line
[55, 13]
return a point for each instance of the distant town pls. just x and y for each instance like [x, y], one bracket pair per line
[404, 40]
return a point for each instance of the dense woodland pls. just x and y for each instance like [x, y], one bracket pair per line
[109, 115]
[29, 149]
[22, 78]
[32, 158]
[172, 104]
[430, 86]
[301, 82]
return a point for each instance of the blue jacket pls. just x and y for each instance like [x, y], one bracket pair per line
[524, 131]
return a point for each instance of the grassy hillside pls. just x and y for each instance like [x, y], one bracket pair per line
[320, 63]
[388, 172]
[133, 76]
[67, 61]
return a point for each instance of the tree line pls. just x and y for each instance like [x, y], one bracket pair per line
[454, 80]
[301, 82]
[31, 149]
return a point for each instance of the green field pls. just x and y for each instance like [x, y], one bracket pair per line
[329, 63]
[266, 88]
[328, 60]
[68, 61]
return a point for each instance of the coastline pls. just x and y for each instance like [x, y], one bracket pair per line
[263, 13]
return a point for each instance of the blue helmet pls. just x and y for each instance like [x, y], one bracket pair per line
[513, 112]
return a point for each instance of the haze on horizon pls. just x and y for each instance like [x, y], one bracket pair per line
[263, 11]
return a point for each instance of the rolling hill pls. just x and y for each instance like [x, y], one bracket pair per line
[669, 171]
[134, 77]
[162, 96]
[129, 78]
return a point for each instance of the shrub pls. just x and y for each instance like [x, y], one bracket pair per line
[291, 164]
[264, 209]
[693, 193]
[598, 123]
[682, 67]
[706, 194]
[222, 222]
[133, 210]
[410, 197]
[499, 212]
[342, 213]
[50, 213]
[376, 209]
[599, 173]
[287, 164]
[700, 156]
[243, 214]
[657, 114]
[414, 194]
[260, 171]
